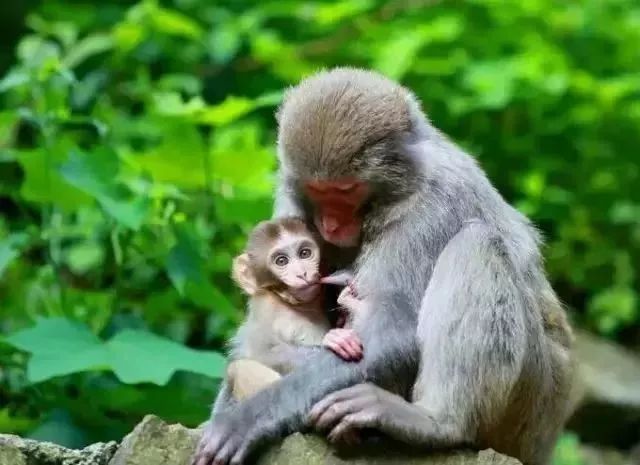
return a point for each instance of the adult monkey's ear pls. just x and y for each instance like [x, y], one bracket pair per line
[243, 275]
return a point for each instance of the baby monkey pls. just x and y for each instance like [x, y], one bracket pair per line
[279, 271]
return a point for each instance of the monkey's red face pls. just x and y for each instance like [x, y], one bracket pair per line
[337, 209]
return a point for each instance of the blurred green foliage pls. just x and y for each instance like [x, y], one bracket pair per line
[137, 150]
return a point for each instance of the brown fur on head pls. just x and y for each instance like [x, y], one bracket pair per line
[346, 122]
[254, 270]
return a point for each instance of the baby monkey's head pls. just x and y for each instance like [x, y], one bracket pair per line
[283, 255]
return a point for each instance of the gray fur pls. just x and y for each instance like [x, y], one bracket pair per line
[446, 255]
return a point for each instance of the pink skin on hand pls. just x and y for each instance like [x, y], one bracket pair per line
[344, 343]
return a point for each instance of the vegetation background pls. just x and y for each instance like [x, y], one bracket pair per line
[137, 150]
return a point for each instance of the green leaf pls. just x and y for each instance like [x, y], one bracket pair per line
[196, 111]
[614, 308]
[174, 23]
[61, 347]
[96, 174]
[398, 54]
[204, 294]
[14, 78]
[160, 357]
[93, 173]
[179, 157]
[86, 48]
[239, 159]
[184, 262]
[43, 183]
[9, 249]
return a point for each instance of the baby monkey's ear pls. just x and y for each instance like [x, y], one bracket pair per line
[242, 274]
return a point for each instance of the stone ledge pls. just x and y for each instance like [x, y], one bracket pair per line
[155, 442]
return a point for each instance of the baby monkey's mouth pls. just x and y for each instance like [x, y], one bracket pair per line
[306, 293]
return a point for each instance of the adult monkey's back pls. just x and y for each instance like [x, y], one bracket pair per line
[438, 249]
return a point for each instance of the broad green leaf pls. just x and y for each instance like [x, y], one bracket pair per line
[126, 209]
[133, 349]
[43, 183]
[61, 347]
[206, 295]
[95, 174]
[179, 157]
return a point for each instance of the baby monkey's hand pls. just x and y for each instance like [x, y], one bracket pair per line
[345, 343]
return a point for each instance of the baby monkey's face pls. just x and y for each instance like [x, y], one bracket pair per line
[294, 259]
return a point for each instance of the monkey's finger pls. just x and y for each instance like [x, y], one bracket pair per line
[352, 348]
[321, 406]
[245, 449]
[338, 350]
[335, 414]
[223, 455]
[355, 350]
[350, 423]
[339, 279]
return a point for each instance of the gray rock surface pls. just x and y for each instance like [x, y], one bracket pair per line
[154, 442]
[15, 450]
[607, 393]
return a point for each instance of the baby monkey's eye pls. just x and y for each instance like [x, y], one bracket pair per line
[304, 252]
[281, 260]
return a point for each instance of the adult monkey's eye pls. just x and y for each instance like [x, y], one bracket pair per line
[304, 252]
[281, 260]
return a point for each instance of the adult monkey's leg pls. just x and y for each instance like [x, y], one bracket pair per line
[489, 376]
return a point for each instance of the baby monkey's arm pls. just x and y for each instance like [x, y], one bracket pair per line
[344, 341]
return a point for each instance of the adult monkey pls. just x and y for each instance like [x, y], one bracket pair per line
[453, 278]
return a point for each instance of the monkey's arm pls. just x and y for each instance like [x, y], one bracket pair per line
[282, 408]
[479, 334]
[285, 357]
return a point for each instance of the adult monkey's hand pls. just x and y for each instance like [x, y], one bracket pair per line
[359, 158]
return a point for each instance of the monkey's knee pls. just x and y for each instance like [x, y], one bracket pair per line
[246, 377]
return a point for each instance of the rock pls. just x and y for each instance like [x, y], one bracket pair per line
[17, 451]
[299, 449]
[154, 442]
[608, 386]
